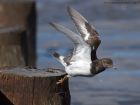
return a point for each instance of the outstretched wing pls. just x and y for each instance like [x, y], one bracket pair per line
[87, 31]
[76, 39]
[57, 56]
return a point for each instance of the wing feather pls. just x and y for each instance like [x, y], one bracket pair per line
[76, 39]
[84, 28]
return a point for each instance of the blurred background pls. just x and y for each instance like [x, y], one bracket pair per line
[118, 23]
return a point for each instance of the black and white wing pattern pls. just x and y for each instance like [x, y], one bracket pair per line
[87, 31]
[84, 28]
[79, 43]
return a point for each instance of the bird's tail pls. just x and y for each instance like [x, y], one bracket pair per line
[58, 57]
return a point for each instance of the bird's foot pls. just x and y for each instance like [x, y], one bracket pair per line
[61, 81]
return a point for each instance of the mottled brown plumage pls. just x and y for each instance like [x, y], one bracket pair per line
[100, 65]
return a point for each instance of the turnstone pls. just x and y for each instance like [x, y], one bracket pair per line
[83, 60]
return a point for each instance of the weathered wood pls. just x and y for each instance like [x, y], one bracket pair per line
[10, 49]
[31, 36]
[14, 14]
[23, 86]
[21, 15]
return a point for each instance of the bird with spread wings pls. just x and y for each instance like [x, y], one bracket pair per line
[83, 61]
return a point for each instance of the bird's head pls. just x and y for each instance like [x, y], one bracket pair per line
[107, 62]
[100, 65]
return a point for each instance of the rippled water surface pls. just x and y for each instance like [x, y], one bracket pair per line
[112, 87]
[120, 41]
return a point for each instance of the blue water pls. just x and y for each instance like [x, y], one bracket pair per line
[120, 41]
[112, 87]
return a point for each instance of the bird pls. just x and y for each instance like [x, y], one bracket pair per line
[87, 31]
[83, 60]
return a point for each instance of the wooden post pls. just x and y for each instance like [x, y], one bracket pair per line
[20, 15]
[10, 49]
[24, 86]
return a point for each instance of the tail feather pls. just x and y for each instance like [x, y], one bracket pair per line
[58, 57]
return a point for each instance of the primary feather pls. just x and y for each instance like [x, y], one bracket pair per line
[87, 31]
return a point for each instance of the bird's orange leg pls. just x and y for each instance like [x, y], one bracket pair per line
[61, 81]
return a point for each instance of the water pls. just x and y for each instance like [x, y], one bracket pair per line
[120, 41]
[112, 87]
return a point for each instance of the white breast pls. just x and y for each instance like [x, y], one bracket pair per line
[79, 68]
[80, 63]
